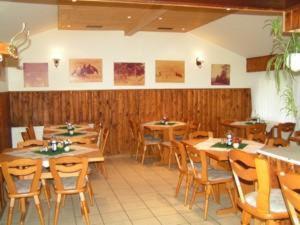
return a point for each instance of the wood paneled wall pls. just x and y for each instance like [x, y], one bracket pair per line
[116, 107]
[5, 134]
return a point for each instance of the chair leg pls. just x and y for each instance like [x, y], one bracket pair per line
[39, 209]
[137, 150]
[23, 210]
[143, 157]
[216, 193]
[57, 205]
[10, 211]
[189, 179]
[181, 175]
[103, 170]
[208, 189]
[196, 186]
[230, 193]
[63, 200]
[90, 192]
[246, 217]
[46, 192]
[170, 157]
[84, 209]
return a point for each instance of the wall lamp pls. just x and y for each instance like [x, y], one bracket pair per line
[56, 62]
[199, 62]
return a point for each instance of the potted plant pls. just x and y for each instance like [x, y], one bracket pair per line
[285, 63]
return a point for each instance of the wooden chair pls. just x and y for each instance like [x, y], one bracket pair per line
[264, 203]
[179, 133]
[193, 126]
[184, 168]
[208, 177]
[69, 174]
[102, 148]
[290, 186]
[21, 188]
[25, 136]
[201, 134]
[31, 133]
[146, 143]
[257, 132]
[284, 132]
[31, 143]
[36, 143]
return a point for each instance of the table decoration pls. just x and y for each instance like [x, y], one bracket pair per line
[224, 145]
[70, 128]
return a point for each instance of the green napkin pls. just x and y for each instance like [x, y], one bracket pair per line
[65, 127]
[52, 153]
[221, 145]
[69, 135]
[169, 123]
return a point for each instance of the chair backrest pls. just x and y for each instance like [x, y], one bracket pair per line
[180, 131]
[194, 126]
[256, 132]
[69, 166]
[31, 132]
[103, 142]
[31, 143]
[248, 167]
[196, 156]
[284, 132]
[25, 136]
[201, 135]
[290, 186]
[22, 167]
[180, 155]
[81, 141]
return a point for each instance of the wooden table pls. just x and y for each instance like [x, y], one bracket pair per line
[221, 155]
[166, 129]
[89, 151]
[61, 132]
[243, 125]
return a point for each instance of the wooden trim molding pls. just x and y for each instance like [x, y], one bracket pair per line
[258, 64]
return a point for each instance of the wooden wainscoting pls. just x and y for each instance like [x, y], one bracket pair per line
[116, 107]
[5, 133]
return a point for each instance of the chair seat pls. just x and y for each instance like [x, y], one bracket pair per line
[215, 175]
[23, 186]
[69, 182]
[179, 138]
[277, 204]
[152, 141]
[148, 137]
[166, 143]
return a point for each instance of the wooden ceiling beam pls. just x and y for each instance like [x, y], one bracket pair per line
[145, 21]
[246, 5]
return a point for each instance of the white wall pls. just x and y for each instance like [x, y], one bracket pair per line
[113, 46]
[266, 101]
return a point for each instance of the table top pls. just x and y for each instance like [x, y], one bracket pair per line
[157, 125]
[246, 123]
[207, 145]
[290, 154]
[60, 131]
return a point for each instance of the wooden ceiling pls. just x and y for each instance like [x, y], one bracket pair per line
[132, 19]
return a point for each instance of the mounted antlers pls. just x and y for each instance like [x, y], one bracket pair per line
[13, 47]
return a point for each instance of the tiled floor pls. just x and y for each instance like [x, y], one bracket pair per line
[133, 194]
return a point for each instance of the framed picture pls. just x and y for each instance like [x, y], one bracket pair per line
[169, 71]
[2, 71]
[220, 74]
[35, 74]
[129, 73]
[85, 70]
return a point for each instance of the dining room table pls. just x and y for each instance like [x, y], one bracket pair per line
[166, 128]
[90, 151]
[60, 132]
[217, 150]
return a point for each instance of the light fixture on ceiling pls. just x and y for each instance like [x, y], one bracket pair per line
[129, 17]
[293, 62]
[68, 26]
[74, 0]
[199, 62]
[228, 9]
[183, 29]
[160, 18]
